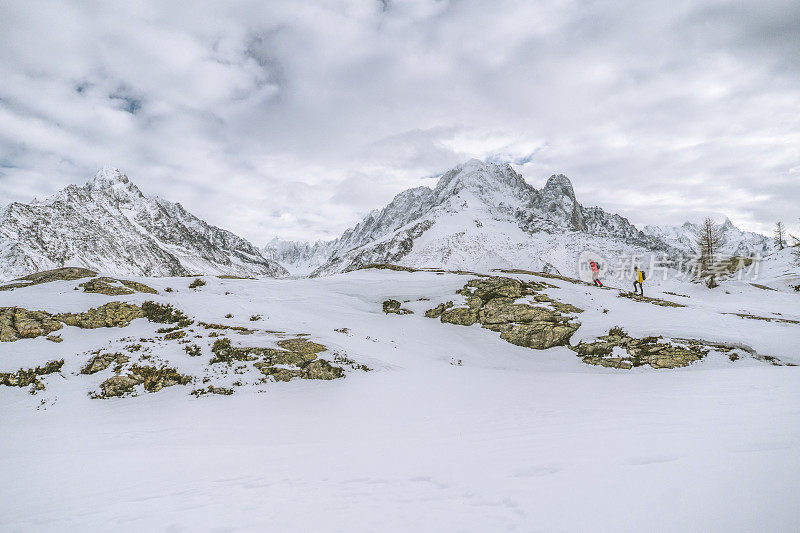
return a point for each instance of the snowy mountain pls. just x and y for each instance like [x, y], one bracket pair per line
[110, 226]
[301, 258]
[482, 216]
[735, 242]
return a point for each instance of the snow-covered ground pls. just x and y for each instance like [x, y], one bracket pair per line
[453, 430]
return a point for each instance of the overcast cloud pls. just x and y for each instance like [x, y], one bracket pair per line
[296, 118]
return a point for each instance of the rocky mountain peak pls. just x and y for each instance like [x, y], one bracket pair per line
[558, 199]
[559, 185]
[114, 183]
[108, 177]
[110, 226]
[485, 180]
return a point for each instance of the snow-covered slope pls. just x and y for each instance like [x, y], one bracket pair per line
[778, 270]
[109, 225]
[482, 216]
[453, 429]
[735, 242]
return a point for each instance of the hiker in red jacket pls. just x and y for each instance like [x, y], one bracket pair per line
[595, 273]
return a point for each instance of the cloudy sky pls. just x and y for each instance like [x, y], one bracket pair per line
[296, 118]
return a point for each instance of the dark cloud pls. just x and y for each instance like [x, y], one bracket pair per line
[294, 119]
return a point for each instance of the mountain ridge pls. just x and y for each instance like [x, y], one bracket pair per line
[109, 225]
[550, 220]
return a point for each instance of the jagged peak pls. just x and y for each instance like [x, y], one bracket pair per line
[559, 184]
[112, 181]
[108, 176]
[478, 175]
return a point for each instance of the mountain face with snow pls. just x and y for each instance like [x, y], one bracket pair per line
[481, 216]
[301, 257]
[735, 242]
[110, 226]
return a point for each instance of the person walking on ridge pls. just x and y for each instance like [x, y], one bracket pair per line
[595, 273]
[638, 279]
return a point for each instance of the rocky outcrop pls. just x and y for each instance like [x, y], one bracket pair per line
[23, 378]
[56, 274]
[437, 311]
[394, 307]
[295, 358]
[18, 323]
[164, 314]
[211, 389]
[224, 352]
[112, 314]
[620, 350]
[493, 303]
[100, 362]
[152, 378]
[115, 287]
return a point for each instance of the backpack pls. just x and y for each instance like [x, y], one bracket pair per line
[644, 277]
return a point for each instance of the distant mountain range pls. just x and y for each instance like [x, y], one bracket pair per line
[734, 241]
[479, 216]
[484, 215]
[110, 226]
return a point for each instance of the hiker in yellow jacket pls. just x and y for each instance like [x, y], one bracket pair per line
[638, 279]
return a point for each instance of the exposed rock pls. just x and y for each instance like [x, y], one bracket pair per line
[224, 352]
[461, 316]
[611, 362]
[302, 346]
[211, 389]
[164, 314]
[495, 287]
[240, 329]
[115, 287]
[504, 310]
[296, 359]
[118, 386]
[46, 276]
[193, 350]
[393, 306]
[646, 351]
[153, 378]
[197, 283]
[387, 266]
[278, 373]
[175, 335]
[646, 299]
[321, 369]
[492, 302]
[112, 314]
[765, 318]
[23, 378]
[539, 335]
[437, 311]
[19, 323]
[54, 338]
[102, 361]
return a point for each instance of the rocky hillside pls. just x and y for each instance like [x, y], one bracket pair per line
[480, 216]
[111, 226]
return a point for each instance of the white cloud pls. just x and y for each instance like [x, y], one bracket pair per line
[294, 119]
